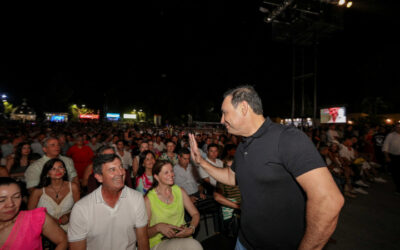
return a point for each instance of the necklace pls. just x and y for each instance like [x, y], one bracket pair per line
[166, 198]
[58, 190]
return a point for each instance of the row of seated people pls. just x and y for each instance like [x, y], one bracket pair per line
[196, 182]
[351, 170]
[112, 217]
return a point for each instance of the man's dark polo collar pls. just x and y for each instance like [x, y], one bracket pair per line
[262, 130]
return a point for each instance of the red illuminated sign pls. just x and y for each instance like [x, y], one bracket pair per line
[89, 116]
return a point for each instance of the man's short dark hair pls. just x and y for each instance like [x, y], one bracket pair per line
[212, 145]
[102, 159]
[183, 151]
[246, 93]
[104, 148]
[120, 140]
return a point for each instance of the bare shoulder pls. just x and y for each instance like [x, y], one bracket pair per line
[37, 192]
[10, 157]
[147, 201]
[183, 191]
[74, 186]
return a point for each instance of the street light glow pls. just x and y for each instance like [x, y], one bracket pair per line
[349, 4]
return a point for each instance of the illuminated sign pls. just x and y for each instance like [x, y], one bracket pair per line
[89, 116]
[57, 117]
[298, 121]
[130, 116]
[333, 115]
[113, 116]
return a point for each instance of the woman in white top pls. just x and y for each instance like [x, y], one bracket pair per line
[55, 192]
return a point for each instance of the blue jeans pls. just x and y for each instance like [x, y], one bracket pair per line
[239, 245]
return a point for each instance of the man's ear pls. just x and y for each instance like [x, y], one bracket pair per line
[99, 177]
[244, 108]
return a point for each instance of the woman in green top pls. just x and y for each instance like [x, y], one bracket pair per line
[165, 205]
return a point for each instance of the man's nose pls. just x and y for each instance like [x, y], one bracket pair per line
[222, 119]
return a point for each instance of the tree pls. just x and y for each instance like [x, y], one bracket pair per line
[373, 105]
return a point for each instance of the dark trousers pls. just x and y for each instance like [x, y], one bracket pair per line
[394, 167]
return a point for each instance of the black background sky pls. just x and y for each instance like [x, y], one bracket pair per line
[178, 57]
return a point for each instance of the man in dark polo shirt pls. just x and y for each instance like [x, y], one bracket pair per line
[289, 199]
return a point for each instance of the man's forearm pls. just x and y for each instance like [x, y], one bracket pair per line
[321, 221]
[223, 175]
[224, 201]
[78, 245]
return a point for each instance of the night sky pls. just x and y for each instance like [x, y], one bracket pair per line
[179, 57]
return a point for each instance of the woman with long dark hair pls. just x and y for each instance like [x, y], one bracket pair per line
[144, 177]
[19, 162]
[55, 192]
[165, 205]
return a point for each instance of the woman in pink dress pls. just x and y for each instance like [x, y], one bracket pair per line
[23, 229]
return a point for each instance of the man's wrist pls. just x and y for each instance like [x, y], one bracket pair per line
[202, 161]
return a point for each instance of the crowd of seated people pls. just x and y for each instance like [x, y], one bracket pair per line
[354, 156]
[52, 164]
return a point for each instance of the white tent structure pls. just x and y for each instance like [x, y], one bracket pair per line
[23, 113]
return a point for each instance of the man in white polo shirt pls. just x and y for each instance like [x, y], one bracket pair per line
[111, 217]
[212, 158]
